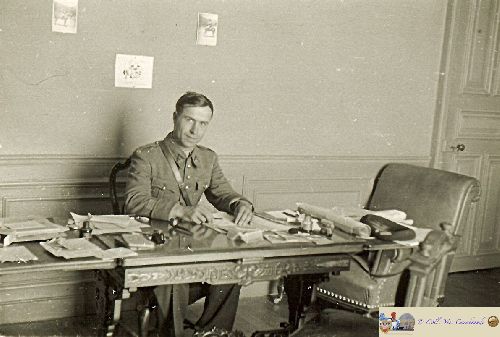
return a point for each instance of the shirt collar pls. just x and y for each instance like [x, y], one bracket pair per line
[178, 153]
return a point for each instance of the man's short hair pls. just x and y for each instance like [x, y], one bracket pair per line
[193, 99]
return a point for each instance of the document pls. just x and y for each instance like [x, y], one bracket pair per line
[71, 248]
[115, 253]
[16, 254]
[28, 229]
[103, 224]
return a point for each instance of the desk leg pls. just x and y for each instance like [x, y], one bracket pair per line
[298, 289]
[115, 294]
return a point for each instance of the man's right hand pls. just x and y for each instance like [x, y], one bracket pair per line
[198, 214]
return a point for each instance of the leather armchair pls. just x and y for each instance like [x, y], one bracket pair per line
[434, 199]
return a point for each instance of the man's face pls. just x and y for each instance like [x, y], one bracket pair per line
[190, 125]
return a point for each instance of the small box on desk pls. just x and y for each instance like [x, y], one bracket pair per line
[137, 242]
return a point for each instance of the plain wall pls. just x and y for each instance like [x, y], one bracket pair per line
[311, 99]
[287, 77]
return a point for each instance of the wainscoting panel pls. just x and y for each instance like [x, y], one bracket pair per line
[52, 186]
[284, 193]
[41, 296]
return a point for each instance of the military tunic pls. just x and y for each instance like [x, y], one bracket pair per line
[152, 189]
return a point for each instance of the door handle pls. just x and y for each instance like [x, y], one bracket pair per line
[458, 147]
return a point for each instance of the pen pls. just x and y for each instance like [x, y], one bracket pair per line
[179, 229]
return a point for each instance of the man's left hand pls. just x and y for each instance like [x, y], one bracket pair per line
[243, 213]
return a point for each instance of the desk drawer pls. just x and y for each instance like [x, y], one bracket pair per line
[243, 272]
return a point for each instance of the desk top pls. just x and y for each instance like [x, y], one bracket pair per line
[46, 261]
[217, 247]
[181, 249]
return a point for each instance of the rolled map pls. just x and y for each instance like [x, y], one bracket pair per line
[344, 223]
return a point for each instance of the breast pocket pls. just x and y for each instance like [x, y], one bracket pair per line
[160, 188]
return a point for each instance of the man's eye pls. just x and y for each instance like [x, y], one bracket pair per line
[204, 123]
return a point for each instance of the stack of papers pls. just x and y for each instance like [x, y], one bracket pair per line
[16, 254]
[28, 229]
[272, 226]
[71, 248]
[81, 247]
[103, 224]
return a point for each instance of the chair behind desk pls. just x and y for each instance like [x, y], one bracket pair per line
[117, 209]
[434, 199]
[146, 299]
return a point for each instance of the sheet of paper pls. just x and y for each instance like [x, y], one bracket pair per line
[115, 253]
[286, 215]
[248, 237]
[77, 244]
[64, 16]
[278, 238]
[104, 224]
[224, 222]
[30, 227]
[134, 71]
[71, 248]
[206, 33]
[16, 254]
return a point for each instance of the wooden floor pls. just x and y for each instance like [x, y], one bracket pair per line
[466, 289]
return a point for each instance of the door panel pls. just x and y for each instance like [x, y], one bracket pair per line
[468, 136]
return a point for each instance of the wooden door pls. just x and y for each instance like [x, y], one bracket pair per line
[467, 138]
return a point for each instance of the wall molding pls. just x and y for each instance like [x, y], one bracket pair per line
[40, 181]
[35, 159]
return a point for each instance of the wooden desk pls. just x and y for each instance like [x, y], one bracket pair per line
[215, 260]
[49, 287]
[218, 260]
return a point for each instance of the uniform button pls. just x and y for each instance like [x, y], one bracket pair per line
[163, 187]
[188, 165]
[187, 187]
[188, 177]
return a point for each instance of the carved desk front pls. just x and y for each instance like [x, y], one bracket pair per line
[218, 260]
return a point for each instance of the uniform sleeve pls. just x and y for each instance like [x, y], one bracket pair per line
[220, 193]
[139, 191]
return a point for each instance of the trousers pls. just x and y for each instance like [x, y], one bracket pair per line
[221, 304]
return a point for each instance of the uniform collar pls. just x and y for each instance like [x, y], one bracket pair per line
[178, 153]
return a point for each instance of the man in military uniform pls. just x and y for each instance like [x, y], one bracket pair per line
[154, 191]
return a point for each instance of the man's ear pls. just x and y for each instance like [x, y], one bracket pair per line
[174, 116]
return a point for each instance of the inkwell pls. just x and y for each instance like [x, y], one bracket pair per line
[85, 230]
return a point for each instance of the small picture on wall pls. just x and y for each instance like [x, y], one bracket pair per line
[207, 29]
[64, 16]
[133, 71]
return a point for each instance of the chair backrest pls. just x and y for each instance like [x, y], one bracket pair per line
[428, 196]
[117, 209]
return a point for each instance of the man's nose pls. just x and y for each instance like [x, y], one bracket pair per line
[195, 128]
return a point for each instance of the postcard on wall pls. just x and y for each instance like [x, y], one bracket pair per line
[134, 71]
[64, 16]
[207, 29]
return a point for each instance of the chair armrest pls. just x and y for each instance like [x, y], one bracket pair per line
[430, 266]
[435, 246]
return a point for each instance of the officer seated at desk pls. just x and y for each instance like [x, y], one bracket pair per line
[166, 180]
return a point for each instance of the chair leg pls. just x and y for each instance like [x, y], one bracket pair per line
[280, 290]
[144, 316]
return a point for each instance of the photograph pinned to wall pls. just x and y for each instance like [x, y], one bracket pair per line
[134, 71]
[64, 16]
[207, 29]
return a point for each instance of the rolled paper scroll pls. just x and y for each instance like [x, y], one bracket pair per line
[344, 223]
